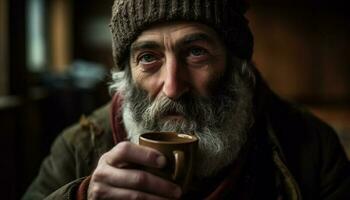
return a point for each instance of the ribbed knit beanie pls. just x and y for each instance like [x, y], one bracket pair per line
[131, 17]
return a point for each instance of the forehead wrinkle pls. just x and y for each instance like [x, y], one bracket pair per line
[172, 42]
[172, 38]
[144, 45]
[197, 37]
[169, 42]
[164, 41]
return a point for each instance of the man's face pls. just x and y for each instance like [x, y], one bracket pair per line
[178, 58]
[180, 79]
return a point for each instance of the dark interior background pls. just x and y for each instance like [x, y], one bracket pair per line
[301, 48]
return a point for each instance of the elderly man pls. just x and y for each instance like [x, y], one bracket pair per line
[186, 66]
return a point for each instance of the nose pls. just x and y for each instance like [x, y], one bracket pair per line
[176, 81]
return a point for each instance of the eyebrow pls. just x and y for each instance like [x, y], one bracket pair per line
[144, 45]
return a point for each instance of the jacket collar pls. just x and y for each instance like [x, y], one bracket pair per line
[263, 96]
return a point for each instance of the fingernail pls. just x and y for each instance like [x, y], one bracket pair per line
[161, 160]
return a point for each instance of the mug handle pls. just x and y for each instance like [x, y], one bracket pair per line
[179, 158]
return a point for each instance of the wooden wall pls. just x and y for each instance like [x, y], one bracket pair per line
[302, 49]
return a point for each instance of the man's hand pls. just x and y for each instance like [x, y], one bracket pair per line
[113, 177]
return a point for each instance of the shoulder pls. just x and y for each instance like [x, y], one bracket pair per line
[95, 124]
[311, 148]
[295, 126]
[91, 135]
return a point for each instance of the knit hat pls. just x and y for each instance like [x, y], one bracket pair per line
[131, 17]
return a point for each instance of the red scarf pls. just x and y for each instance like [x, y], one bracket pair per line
[116, 119]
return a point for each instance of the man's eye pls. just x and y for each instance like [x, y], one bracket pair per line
[196, 51]
[147, 58]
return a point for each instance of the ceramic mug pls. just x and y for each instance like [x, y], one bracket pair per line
[179, 150]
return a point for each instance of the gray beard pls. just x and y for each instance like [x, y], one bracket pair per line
[221, 122]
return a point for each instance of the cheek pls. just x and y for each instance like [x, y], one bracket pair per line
[204, 81]
[148, 83]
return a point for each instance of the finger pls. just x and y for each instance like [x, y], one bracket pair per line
[105, 192]
[137, 180]
[127, 152]
[121, 193]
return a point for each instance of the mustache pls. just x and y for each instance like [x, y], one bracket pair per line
[191, 107]
[187, 105]
[163, 106]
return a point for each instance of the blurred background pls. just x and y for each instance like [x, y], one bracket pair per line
[55, 59]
